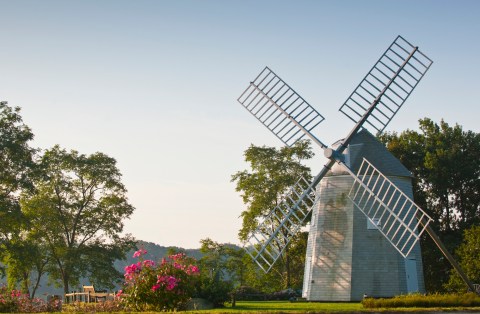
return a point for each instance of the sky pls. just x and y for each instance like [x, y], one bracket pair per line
[154, 84]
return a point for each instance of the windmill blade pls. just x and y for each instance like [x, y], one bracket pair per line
[277, 106]
[266, 244]
[388, 84]
[397, 217]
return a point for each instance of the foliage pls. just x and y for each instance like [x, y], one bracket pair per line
[220, 267]
[469, 254]
[61, 212]
[215, 291]
[446, 168]
[225, 266]
[16, 169]
[77, 209]
[418, 300]
[166, 285]
[273, 172]
[16, 163]
[445, 163]
[26, 260]
[15, 301]
[271, 282]
[246, 293]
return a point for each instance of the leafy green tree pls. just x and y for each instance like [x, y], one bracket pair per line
[26, 260]
[235, 264]
[273, 172]
[469, 254]
[215, 277]
[446, 168]
[17, 249]
[78, 209]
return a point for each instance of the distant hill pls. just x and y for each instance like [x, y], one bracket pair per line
[155, 252]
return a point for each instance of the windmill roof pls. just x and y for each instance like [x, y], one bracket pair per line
[366, 145]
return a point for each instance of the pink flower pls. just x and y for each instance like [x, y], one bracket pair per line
[169, 282]
[148, 263]
[131, 270]
[177, 266]
[192, 269]
[155, 287]
[177, 256]
[139, 253]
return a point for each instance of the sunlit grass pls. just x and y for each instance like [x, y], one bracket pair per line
[317, 307]
[467, 300]
[287, 307]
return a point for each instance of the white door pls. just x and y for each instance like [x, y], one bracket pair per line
[411, 272]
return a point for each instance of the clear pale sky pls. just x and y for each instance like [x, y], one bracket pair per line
[154, 84]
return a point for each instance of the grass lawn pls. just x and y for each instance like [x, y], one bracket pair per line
[315, 307]
[291, 307]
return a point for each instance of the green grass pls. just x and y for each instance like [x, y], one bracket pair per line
[265, 307]
[287, 307]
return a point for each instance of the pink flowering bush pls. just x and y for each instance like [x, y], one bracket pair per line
[15, 301]
[165, 285]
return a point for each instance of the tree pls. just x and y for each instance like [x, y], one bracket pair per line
[446, 168]
[273, 172]
[469, 254]
[17, 250]
[215, 277]
[26, 261]
[78, 209]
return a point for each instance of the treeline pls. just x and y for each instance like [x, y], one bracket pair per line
[445, 163]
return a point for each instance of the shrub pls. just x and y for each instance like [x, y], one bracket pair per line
[246, 293]
[15, 301]
[287, 294]
[166, 285]
[215, 291]
[418, 300]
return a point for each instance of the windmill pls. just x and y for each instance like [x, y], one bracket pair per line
[385, 206]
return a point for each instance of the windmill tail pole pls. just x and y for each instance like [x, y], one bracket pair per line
[450, 258]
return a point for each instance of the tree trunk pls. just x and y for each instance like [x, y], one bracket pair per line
[25, 282]
[65, 279]
[288, 268]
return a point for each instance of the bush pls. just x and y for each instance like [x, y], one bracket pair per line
[246, 293]
[15, 301]
[285, 295]
[418, 300]
[158, 287]
[215, 291]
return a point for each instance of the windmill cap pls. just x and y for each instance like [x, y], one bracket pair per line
[365, 145]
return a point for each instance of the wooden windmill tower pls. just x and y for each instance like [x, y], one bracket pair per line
[347, 255]
[374, 249]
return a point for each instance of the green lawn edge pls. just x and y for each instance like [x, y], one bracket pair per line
[320, 307]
